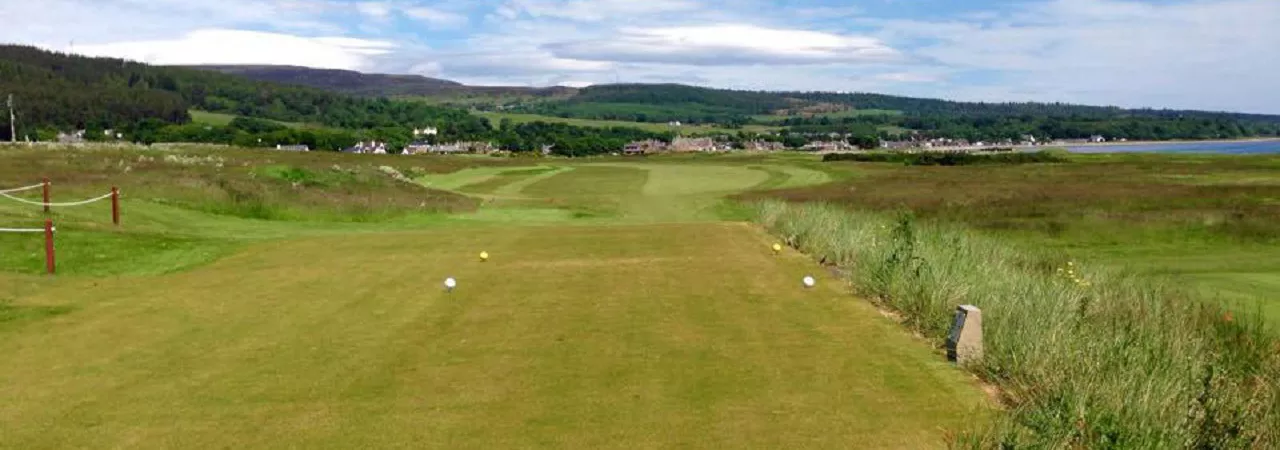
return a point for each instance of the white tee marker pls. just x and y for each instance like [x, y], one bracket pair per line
[809, 281]
[450, 283]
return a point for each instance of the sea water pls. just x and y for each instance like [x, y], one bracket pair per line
[1239, 147]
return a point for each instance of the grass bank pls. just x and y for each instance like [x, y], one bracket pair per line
[1084, 357]
[952, 158]
[1208, 222]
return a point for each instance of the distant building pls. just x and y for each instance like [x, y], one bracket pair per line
[763, 146]
[645, 147]
[371, 147]
[75, 137]
[1097, 138]
[418, 148]
[428, 131]
[828, 146]
[293, 148]
[681, 144]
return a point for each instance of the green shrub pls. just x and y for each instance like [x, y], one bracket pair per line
[1083, 357]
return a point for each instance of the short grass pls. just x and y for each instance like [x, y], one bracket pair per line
[222, 119]
[775, 118]
[621, 190]
[367, 350]
[259, 299]
[496, 118]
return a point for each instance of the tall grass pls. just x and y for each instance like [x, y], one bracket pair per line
[1083, 357]
[1005, 156]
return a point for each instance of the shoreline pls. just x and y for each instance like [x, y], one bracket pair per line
[1173, 142]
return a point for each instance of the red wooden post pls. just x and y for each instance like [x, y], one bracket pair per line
[115, 206]
[48, 246]
[46, 196]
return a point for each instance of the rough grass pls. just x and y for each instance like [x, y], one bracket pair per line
[952, 158]
[183, 208]
[1210, 222]
[1084, 357]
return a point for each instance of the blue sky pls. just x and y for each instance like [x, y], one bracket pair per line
[1202, 54]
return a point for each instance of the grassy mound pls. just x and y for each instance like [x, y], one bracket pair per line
[1083, 357]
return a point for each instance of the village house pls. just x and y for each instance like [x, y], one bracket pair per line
[293, 148]
[645, 147]
[763, 146]
[420, 147]
[828, 146]
[371, 147]
[682, 144]
[75, 137]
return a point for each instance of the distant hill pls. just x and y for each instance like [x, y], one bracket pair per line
[377, 85]
[57, 91]
[675, 102]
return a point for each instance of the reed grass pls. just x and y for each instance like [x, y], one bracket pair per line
[1082, 356]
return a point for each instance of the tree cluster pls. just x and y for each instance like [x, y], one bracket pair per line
[62, 92]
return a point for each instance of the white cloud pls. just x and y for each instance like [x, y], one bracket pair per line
[436, 17]
[726, 44]
[218, 46]
[596, 10]
[376, 10]
[905, 77]
[1212, 54]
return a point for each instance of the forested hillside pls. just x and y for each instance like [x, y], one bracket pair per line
[378, 85]
[809, 112]
[54, 91]
[889, 116]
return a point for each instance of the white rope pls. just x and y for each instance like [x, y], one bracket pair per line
[25, 230]
[82, 202]
[24, 188]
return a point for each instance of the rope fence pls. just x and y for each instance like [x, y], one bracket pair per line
[20, 189]
[23, 230]
[114, 195]
[48, 231]
[79, 203]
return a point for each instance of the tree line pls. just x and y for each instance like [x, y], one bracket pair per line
[55, 91]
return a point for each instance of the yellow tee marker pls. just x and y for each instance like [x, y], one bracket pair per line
[777, 248]
[484, 256]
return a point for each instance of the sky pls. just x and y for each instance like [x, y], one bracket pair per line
[1192, 54]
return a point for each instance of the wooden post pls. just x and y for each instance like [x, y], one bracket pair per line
[46, 196]
[48, 246]
[115, 206]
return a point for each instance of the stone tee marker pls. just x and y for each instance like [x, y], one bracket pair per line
[964, 342]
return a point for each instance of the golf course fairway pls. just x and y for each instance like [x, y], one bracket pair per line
[615, 310]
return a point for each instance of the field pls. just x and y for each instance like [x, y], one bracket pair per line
[1204, 222]
[220, 119]
[693, 130]
[294, 300]
[774, 118]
